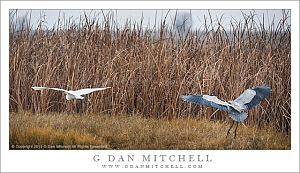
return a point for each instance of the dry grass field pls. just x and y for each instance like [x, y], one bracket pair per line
[136, 132]
[148, 70]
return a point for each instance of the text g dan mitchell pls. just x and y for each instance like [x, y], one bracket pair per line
[152, 158]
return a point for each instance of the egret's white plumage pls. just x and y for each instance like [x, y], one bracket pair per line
[237, 108]
[72, 94]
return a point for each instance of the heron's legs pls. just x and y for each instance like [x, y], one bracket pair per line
[229, 129]
[236, 129]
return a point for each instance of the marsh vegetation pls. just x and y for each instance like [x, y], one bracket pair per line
[148, 70]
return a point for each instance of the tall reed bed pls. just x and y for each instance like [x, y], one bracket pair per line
[149, 69]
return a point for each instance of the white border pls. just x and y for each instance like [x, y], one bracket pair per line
[82, 161]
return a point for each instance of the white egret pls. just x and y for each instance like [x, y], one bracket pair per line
[78, 94]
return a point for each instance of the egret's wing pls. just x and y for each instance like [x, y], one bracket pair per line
[88, 90]
[47, 88]
[207, 100]
[252, 97]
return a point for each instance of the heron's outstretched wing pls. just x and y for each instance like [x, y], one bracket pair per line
[88, 90]
[207, 101]
[47, 88]
[252, 97]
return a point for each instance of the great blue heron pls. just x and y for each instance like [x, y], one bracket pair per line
[237, 109]
[73, 94]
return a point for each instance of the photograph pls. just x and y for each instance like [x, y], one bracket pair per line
[150, 79]
[149, 86]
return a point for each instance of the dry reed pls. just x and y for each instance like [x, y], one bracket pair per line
[149, 69]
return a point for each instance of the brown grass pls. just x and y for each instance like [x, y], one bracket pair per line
[149, 69]
[137, 132]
